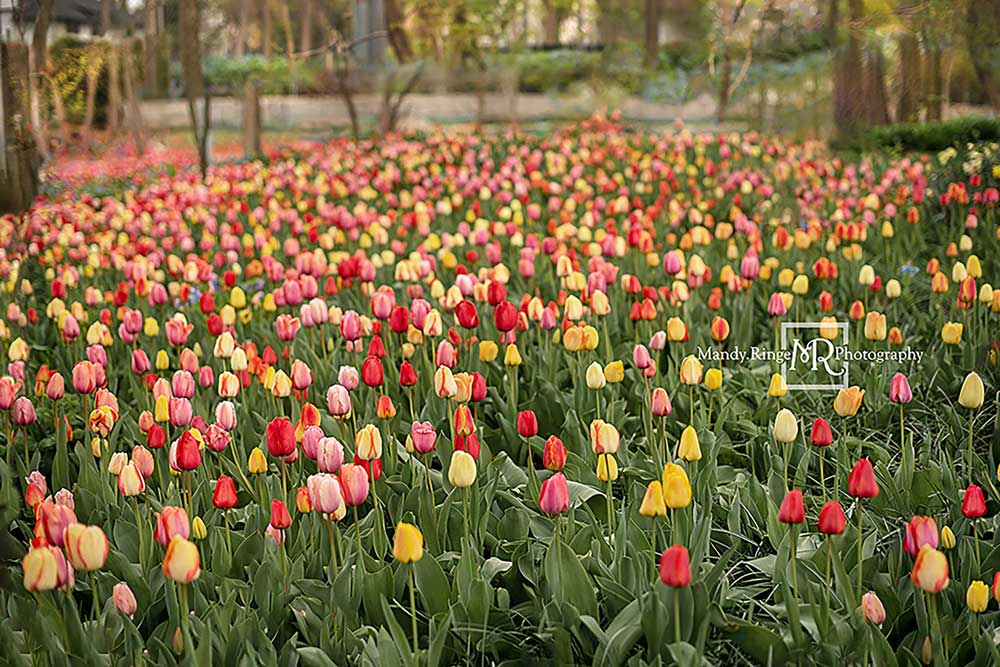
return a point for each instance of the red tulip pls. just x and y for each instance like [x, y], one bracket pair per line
[478, 387]
[467, 314]
[554, 454]
[224, 496]
[920, 530]
[675, 567]
[399, 319]
[832, 519]
[793, 508]
[407, 374]
[353, 484]
[280, 518]
[372, 373]
[973, 504]
[188, 452]
[861, 481]
[554, 496]
[821, 434]
[505, 316]
[156, 437]
[280, 436]
[495, 292]
[527, 423]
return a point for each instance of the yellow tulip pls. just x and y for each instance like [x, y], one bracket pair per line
[653, 503]
[607, 468]
[977, 596]
[689, 448]
[676, 487]
[258, 463]
[614, 372]
[848, 401]
[972, 393]
[408, 544]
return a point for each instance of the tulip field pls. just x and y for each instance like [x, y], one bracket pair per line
[505, 397]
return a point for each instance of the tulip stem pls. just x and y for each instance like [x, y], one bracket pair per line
[607, 467]
[937, 640]
[975, 541]
[357, 529]
[861, 544]
[677, 615]
[139, 531]
[229, 539]
[430, 487]
[971, 415]
[413, 613]
[465, 513]
[822, 474]
[97, 597]
[284, 480]
[185, 633]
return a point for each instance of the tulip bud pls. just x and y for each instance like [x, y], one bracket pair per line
[948, 539]
[872, 608]
[786, 427]
[408, 543]
[124, 599]
[930, 571]
[977, 596]
[182, 562]
[257, 463]
[595, 376]
[554, 495]
[462, 470]
[675, 567]
[676, 487]
[86, 546]
[861, 481]
[607, 468]
[972, 394]
[198, 528]
[554, 454]
[652, 502]
[690, 447]
[792, 510]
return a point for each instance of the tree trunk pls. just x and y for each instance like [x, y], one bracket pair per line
[194, 81]
[39, 65]
[305, 38]
[909, 78]
[651, 49]
[114, 89]
[399, 41]
[251, 120]
[132, 113]
[286, 20]
[725, 78]
[244, 29]
[935, 84]
[552, 22]
[151, 50]
[266, 27]
[980, 46]
[849, 75]
[876, 99]
[106, 6]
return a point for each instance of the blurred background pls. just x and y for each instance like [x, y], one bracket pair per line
[229, 77]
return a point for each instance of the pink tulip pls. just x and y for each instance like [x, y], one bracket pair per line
[899, 389]
[329, 454]
[324, 493]
[423, 436]
[554, 497]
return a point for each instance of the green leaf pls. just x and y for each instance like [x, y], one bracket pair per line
[432, 584]
[622, 634]
[568, 581]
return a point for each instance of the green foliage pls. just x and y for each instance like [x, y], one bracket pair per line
[934, 136]
[228, 75]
